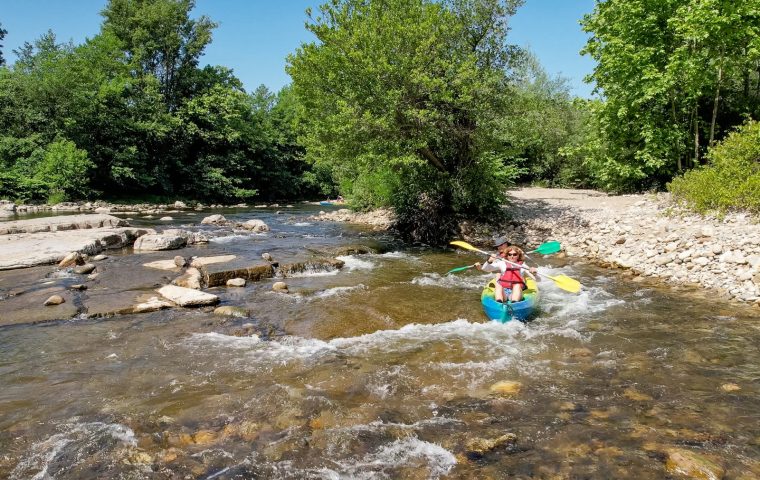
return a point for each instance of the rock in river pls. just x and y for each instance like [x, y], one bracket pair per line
[187, 297]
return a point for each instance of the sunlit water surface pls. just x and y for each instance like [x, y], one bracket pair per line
[384, 369]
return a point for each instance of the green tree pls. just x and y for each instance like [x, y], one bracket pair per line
[160, 39]
[3, 33]
[675, 75]
[398, 89]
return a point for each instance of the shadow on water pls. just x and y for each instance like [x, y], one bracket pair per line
[386, 369]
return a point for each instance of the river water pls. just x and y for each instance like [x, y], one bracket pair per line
[386, 368]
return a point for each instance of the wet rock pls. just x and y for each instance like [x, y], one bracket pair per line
[162, 265]
[280, 287]
[477, 447]
[313, 265]
[636, 396]
[193, 238]
[153, 304]
[85, 269]
[231, 311]
[54, 300]
[78, 286]
[236, 282]
[205, 437]
[255, 225]
[155, 242]
[187, 297]
[166, 219]
[266, 256]
[247, 430]
[693, 465]
[180, 261]
[203, 261]
[73, 258]
[215, 219]
[179, 205]
[61, 223]
[506, 388]
[215, 275]
[100, 257]
[730, 387]
[190, 279]
[353, 250]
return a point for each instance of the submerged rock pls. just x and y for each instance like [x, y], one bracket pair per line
[477, 447]
[73, 258]
[231, 311]
[236, 282]
[507, 388]
[85, 269]
[693, 465]
[151, 305]
[280, 287]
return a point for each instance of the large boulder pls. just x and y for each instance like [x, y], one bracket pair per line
[153, 242]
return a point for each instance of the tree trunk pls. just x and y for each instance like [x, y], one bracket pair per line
[696, 136]
[430, 157]
[715, 106]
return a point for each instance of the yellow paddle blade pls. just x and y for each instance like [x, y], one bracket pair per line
[565, 283]
[467, 246]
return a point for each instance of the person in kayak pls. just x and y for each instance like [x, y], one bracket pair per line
[511, 277]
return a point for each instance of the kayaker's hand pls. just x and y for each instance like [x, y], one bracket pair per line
[477, 265]
[492, 259]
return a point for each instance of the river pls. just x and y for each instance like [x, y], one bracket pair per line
[386, 368]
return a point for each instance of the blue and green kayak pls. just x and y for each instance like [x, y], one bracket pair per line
[504, 312]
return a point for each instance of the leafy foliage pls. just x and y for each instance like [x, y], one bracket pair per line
[397, 90]
[731, 179]
[675, 75]
[129, 113]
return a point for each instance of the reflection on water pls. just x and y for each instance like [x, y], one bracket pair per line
[388, 369]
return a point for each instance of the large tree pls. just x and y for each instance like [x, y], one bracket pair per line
[3, 32]
[408, 92]
[160, 39]
[674, 75]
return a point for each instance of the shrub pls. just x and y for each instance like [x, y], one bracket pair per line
[730, 180]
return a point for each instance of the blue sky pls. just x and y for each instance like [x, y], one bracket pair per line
[255, 36]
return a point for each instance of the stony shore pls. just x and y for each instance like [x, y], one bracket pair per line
[645, 235]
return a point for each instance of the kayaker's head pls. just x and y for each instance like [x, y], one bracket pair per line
[500, 242]
[514, 254]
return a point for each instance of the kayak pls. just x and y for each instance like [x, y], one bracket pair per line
[504, 312]
[326, 203]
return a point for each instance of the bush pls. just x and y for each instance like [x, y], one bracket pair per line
[65, 168]
[731, 179]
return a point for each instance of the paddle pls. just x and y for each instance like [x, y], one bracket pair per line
[562, 281]
[460, 269]
[547, 248]
[544, 249]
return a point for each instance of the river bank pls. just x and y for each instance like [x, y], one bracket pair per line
[646, 235]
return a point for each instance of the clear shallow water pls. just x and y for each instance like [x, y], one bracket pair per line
[384, 369]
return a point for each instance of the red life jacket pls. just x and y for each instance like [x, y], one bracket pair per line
[511, 276]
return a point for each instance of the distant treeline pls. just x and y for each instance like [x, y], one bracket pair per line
[420, 105]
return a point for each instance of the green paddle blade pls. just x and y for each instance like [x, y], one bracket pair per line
[459, 269]
[548, 248]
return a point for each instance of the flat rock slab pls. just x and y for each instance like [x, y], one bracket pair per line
[32, 249]
[61, 223]
[187, 297]
[28, 307]
[217, 274]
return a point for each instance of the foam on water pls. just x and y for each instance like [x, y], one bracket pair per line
[351, 262]
[331, 292]
[302, 224]
[447, 281]
[74, 441]
[229, 238]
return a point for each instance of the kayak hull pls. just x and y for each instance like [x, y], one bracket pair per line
[326, 203]
[504, 312]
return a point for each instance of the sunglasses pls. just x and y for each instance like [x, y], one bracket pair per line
[513, 254]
